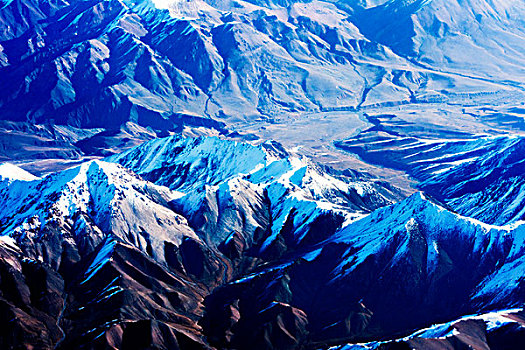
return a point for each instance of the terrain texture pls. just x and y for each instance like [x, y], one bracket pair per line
[262, 174]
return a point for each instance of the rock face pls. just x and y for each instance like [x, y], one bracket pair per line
[31, 300]
[220, 244]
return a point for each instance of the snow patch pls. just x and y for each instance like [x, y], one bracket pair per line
[9, 171]
[103, 256]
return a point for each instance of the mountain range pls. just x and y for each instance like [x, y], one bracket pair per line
[92, 78]
[262, 174]
[213, 243]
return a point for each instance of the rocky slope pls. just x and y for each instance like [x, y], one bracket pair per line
[495, 330]
[215, 175]
[401, 268]
[227, 245]
[186, 237]
[477, 176]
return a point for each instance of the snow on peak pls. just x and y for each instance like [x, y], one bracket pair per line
[203, 159]
[12, 172]
[420, 226]
[493, 320]
[206, 166]
[186, 164]
[113, 199]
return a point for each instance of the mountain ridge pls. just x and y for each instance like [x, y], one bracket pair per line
[229, 74]
[250, 253]
[277, 174]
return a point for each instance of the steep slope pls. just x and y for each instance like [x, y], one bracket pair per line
[203, 242]
[129, 260]
[88, 65]
[92, 200]
[433, 240]
[31, 300]
[217, 174]
[495, 330]
[402, 267]
[75, 81]
[130, 301]
[94, 252]
[251, 246]
[477, 176]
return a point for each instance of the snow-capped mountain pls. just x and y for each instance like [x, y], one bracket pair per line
[475, 331]
[403, 267]
[215, 243]
[82, 225]
[10, 172]
[90, 201]
[242, 174]
[215, 174]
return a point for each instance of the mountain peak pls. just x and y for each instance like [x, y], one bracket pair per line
[11, 172]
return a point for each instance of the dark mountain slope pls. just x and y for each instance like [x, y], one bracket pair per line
[251, 246]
